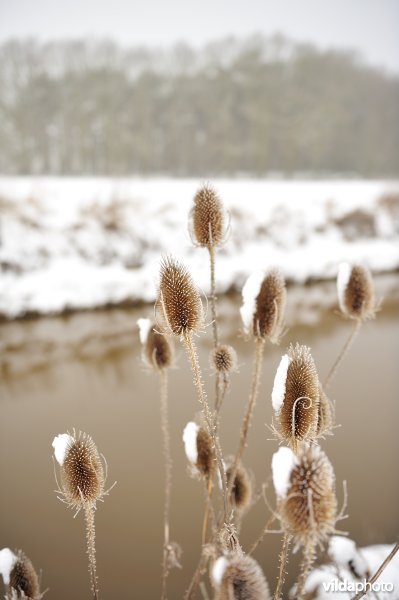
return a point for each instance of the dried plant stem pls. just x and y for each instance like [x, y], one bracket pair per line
[283, 564]
[219, 393]
[377, 574]
[262, 535]
[259, 350]
[89, 511]
[168, 475]
[342, 354]
[196, 578]
[209, 419]
[208, 507]
[309, 555]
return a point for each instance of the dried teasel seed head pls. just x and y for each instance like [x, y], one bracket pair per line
[179, 299]
[158, 351]
[82, 473]
[224, 359]
[207, 217]
[241, 491]
[264, 299]
[199, 448]
[239, 578]
[305, 489]
[295, 397]
[355, 292]
[19, 574]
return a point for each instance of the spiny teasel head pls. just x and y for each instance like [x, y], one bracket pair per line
[262, 311]
[325, 416]
[224, 359]
[157, 349]
[207, 217]
[82, 473]
[355, 292]
[19, 575]
[239, 577]
[305, 489]
[295, 397]
[241, 491]
[178, 299]
[199, 448]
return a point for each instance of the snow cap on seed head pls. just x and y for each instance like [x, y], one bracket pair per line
[283, 462]
[157, 349]
[7, 562]
[19, 574]
[199, 448]
[239, 578]
[61, 444]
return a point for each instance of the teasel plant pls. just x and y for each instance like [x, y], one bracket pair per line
[19, 576]
[158, 355]
[306, 506]
[262, 312]
[180, 311]
[208, 226]
[83, 473]
[239, 577]
[356, 301]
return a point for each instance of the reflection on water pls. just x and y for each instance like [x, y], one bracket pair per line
[85, 371]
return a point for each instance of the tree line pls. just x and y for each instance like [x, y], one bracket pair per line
[254, 106]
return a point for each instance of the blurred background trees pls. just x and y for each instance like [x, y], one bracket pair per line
[253, 106]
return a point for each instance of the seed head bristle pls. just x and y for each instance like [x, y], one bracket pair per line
[297, 417]
[308, 511]
[179, 299]
[241, 491]
[24, 582]
[356, 292]
[205, 453]
[82, 473]
[207, 217]
[224, 359]
[325, 415]
[239, 578]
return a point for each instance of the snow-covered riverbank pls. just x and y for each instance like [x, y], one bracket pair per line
[84, 243]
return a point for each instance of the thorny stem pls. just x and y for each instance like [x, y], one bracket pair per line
[168, 475]
[259, 349]
[342, 354]
[283, 565]
[377, 574]
[309, 554]
[220, 384]
[209, 420]
[262, 535]
[91, 548]
[208, 506]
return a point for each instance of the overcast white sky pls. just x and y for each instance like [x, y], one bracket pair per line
[369, 26]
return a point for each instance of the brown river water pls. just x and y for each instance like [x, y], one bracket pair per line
[84, 371]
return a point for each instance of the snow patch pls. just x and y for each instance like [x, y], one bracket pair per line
[144, 326]
[190, 441]
[219, 569]
[283, 462]
[343, 551]
[61, 443]
[7, 562]
[344, 274]
[250, 292]
[278, 393]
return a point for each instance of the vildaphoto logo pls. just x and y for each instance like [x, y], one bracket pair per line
[346, 585]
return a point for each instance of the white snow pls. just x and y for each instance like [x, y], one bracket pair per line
[344, 273]
[342, 551]
[278, 392]
[218, 570]
[250, 292]
[61, 444]
[190, 441]
[70, 243]
[144, 329]
[7, 562]
[283, 462]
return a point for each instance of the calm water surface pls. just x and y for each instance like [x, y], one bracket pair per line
[85, 371]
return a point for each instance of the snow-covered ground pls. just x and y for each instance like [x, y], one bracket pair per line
[82, 243]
